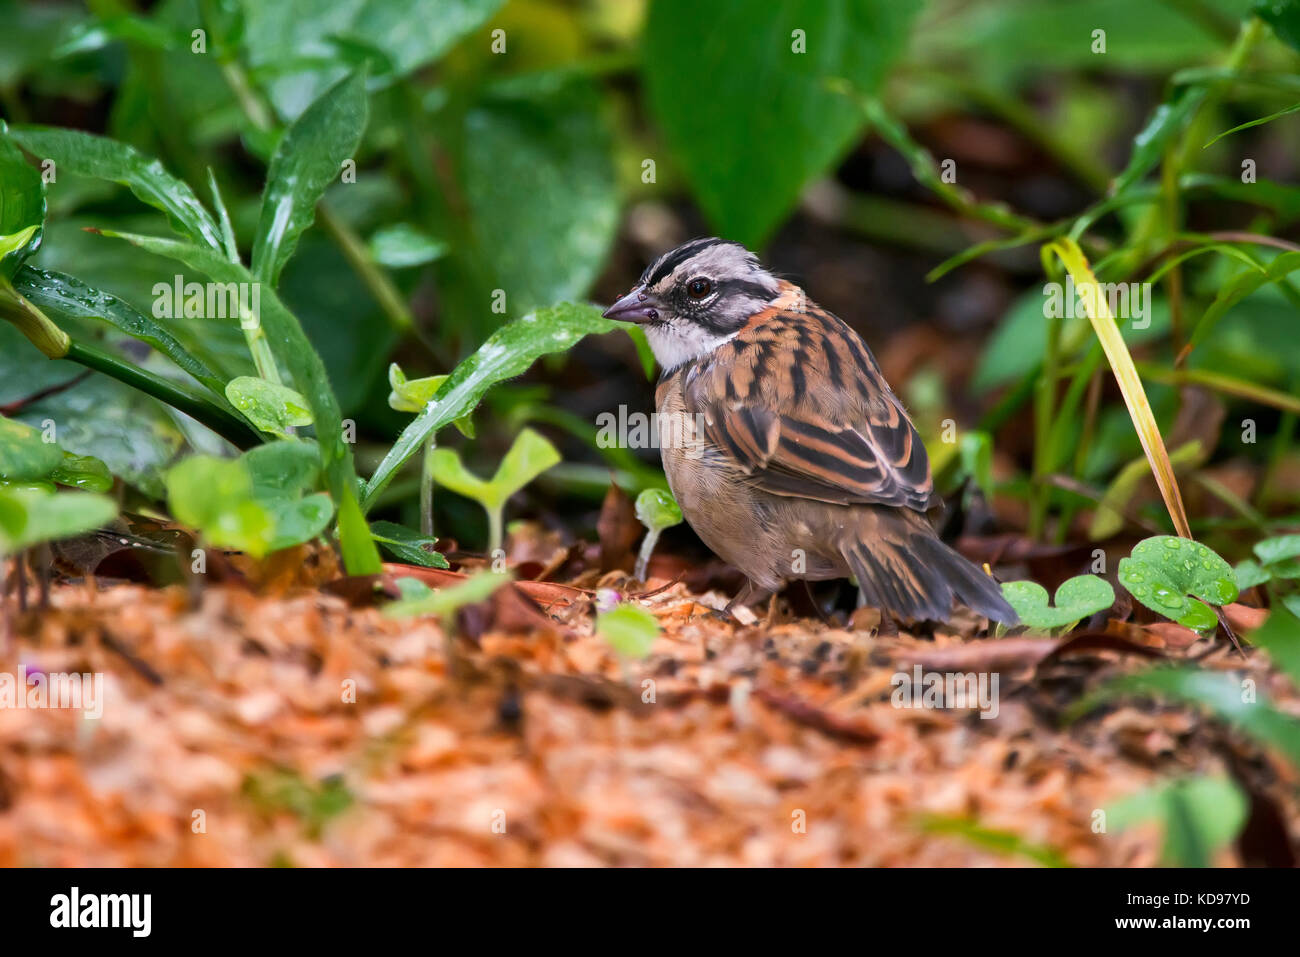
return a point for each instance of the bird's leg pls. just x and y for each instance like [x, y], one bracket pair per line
[748, 595]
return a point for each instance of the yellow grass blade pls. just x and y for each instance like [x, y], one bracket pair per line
[1121, 363]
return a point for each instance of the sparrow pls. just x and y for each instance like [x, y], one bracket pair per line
[799, 461]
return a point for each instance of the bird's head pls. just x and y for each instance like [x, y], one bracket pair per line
[694, 298]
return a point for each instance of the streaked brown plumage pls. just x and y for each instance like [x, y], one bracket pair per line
[805, 464]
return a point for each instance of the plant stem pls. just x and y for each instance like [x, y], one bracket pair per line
[376, 279]
[494, 529]
[643, 557]
[194, 404]
[426, 487]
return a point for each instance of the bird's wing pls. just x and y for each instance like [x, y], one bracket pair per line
[797, 401]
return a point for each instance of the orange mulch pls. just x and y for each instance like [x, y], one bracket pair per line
[294, 728]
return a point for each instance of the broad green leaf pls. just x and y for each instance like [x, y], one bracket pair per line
[447, 601]
[657, 509]
[1163, 570]
[1280, 556]
[450, 472]
[283, 469]
[134, 435]
[298, 521]
[86, 155]
[402, 246]
[308, 158]
[84, 472]
[1076, 599]
[304, 39]
[1280, 637]
[61, 295]
[1199, 816]
[24, 454]
[22, 208]
[408, 545]
[1248, 574]
[1223, 694]
[294, 349]
[630, 630]
[273, 408]
[508, 352]
[539, 180]
[752, 120]
[215, 496]
[29, 517]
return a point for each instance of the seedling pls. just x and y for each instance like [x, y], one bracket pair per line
[254, 503]
[1164, 570]
[414, 395]
[630, 630]
[273, 408]
[1076, 599]
[529, 457]
[1279, 558]
[657, 510]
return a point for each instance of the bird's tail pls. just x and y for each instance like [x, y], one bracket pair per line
[903, 568]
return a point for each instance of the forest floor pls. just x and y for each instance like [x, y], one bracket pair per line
[287, 723]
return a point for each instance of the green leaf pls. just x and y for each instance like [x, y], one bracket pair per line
[508, 352]
[723, 79]
[75, 152]
[299, 38]
[1239, 287]
[402, 246]
[294, 349]
[1280, 555]
[273, 408]
[1167, 121]
[411, 395]
[215, 496]
[528, 457]
[1200, 816]
[408, 545]
[84, 472]
[22, 208]
[29, 516]
[1280, 637]
[1076, 599]
[657, 509]
[1222, 694]
[539, 181]
[308, 158]
[1248, 574]
[62, 295]
[283, 469]
[1284, 17]
[446, 601]
[25, 456]
[296, 522]
[1163, 570]
[1259, 122]
[630, 630]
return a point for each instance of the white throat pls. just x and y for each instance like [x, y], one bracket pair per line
[676, 345]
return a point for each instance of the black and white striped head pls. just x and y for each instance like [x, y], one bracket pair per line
[694, 298]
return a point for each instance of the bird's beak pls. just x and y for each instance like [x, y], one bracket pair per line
[637, 306]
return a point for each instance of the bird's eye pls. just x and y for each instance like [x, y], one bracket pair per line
[699, 287]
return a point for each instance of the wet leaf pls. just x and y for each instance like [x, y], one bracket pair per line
[273, 408]
[1164, 570]
[407, 545]
[1076, 599]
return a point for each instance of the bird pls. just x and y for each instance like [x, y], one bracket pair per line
[794, 458]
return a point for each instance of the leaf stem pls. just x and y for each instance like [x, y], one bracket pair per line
[426, 486]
